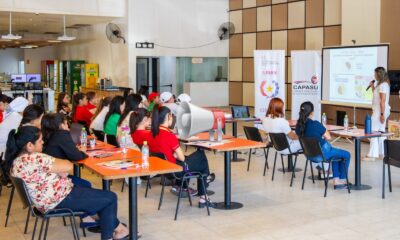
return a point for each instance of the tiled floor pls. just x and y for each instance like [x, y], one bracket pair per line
[272, 210]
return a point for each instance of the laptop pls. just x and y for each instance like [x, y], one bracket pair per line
[240, 112]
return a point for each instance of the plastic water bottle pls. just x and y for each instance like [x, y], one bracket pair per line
[145, 155]
[83, 138]
[324, 119]
[122, 143]
[346, 123]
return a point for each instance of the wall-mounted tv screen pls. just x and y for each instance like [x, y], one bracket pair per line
[18, 78]
[33, 78]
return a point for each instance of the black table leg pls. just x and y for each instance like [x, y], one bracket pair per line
[133, 212]
[77, 171]
[289, 167]
[228, 204]
[106, 185]
[357, 174]
[235, 153]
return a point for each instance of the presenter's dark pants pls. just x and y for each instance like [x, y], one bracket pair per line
[196, 162]
[104, 203]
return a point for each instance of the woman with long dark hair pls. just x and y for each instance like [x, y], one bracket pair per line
[307, 127]
[101, 112]
[139, 123]
[380, 112]
[164, 141]
[50, 188]
[92, 101]
[80, 113]
[132, 103]
[63, 104]
[32, 116]
[117, 107]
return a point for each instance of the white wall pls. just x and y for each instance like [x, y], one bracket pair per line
[93, 46]
[34, 57]
[168, 73]
[111, 8]
[361, 21]
[9, 59]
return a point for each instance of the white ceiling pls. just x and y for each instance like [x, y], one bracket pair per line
[37, 29]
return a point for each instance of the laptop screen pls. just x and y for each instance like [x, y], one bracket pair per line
[240, 112]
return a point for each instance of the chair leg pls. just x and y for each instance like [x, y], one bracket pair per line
[248, 163]
[294, 167]
[205, 190]
[123, 185]
[390, 178]
[266, 161]
[41, 228]
[162, 192]
[383, 180]
[46, 229]
[189, 196]
[273, 168]
[83, 229]
[75, 228]
[283, 164]
[65, 223]
[347, 177]
[179, 199]
[34, 228]
[9, 205]
[326, 179]
[27, 221]
[304, 175]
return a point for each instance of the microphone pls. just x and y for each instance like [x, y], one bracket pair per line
[373, 81]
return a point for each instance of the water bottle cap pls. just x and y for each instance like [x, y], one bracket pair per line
[144, 142]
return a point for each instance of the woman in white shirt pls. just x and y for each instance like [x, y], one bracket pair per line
[98, 119]
[275, 122]
[380, 111]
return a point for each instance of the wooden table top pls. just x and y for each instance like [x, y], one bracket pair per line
[204, 136]
[99, 146]
[358, 133]
[157, 165]
[232, 144]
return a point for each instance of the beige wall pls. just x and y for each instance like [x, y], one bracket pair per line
[361, 21]
[34, 57]
[390, 30]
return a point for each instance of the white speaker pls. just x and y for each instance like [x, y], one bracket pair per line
[192, 119]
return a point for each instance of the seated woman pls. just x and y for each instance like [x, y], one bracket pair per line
[80, 113]
[306, 127]
[49, 187]
[117, 106]
[63, 104]
[140, 122]
[32, 116]
[275, 122]
[100, 114]
[132, 103]
[164, 141]
[92, 101]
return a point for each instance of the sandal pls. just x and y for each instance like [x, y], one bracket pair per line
[206, 202]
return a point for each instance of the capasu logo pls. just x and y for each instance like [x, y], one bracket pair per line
[269, 89]
[314, 79]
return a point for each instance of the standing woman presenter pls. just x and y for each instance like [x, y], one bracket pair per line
[380, 111]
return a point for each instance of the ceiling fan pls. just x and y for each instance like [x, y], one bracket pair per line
[10, 36]
[65, 37]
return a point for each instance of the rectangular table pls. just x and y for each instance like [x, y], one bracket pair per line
[357, 135]
[232, 144]
[157, 166]
[204, 136]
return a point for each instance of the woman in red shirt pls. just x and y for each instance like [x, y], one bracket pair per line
[164, 141]
[92, 101]
[139, 124]
[80, 113]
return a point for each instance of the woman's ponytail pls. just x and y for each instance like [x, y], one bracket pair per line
[158, 117]
[136, 117]
[306, 109]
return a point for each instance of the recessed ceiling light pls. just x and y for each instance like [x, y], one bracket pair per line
[29, 46]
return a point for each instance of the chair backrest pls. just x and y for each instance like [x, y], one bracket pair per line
[22, 191]
[99, 135]
[253, 134]
[279, 141]
[112, 139]
[311, 147]
[392, 151]
[75, 131]
[158, 154]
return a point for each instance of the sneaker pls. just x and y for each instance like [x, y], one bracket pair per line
[209, 203]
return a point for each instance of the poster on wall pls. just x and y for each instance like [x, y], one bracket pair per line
[269, 77]
[306, 81]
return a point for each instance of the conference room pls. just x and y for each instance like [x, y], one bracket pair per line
[193, 119]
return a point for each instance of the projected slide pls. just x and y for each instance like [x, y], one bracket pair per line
[348, 71]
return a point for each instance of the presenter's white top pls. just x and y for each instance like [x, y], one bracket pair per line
[382, 88]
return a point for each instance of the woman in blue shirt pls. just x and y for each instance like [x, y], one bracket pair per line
[306, 127]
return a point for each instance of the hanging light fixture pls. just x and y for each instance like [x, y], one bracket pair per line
[10, 36]
[65, 37]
